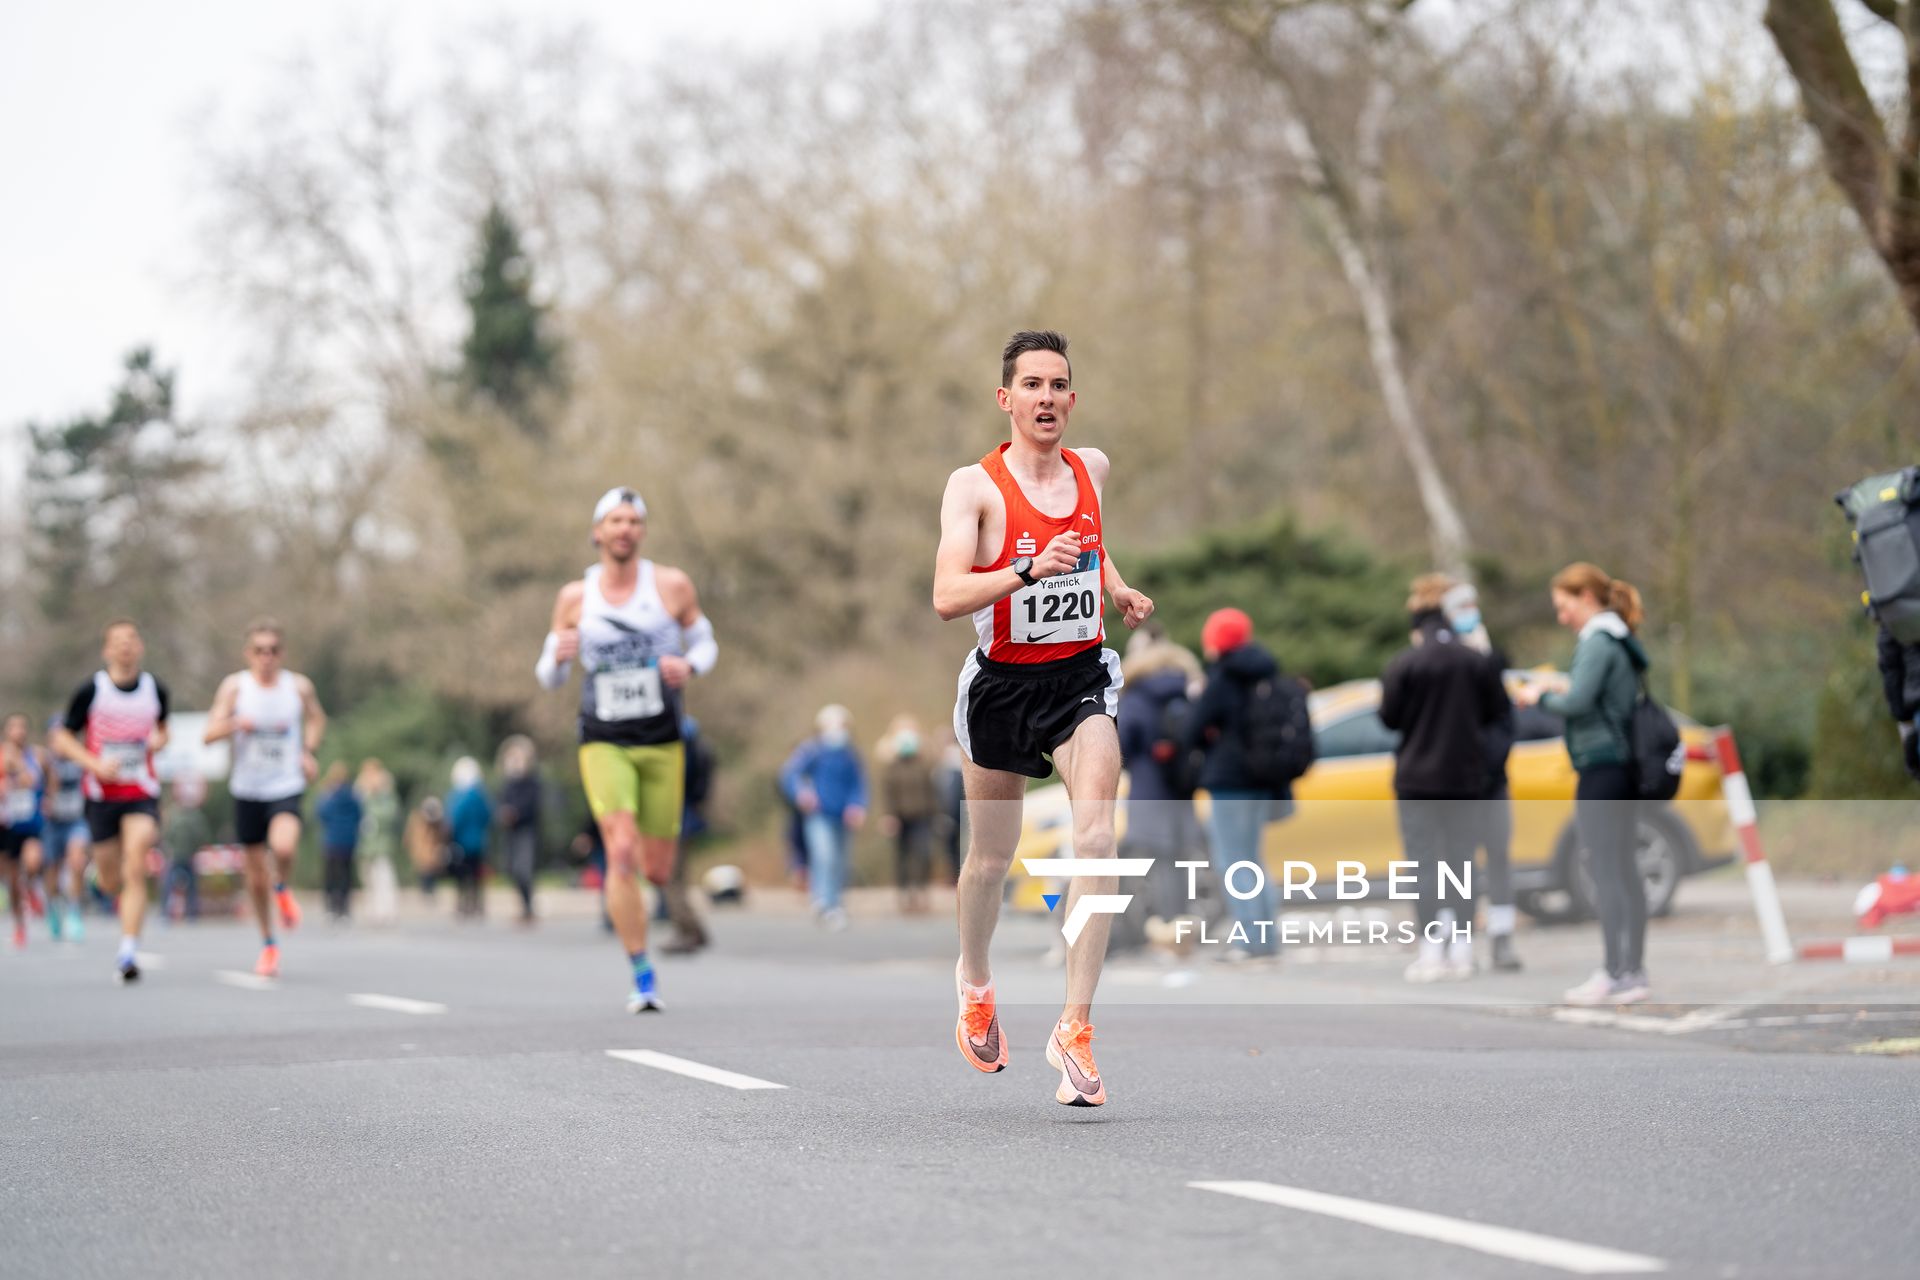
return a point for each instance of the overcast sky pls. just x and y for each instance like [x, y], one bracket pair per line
[96, 156]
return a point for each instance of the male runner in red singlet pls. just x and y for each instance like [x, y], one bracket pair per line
[115, 723]
[1021, 551]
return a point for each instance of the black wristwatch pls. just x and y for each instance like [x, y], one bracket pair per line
[1023, 569]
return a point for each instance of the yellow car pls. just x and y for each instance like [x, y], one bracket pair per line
[1345, 812]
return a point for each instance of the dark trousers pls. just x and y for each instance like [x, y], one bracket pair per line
[913, 852]
[1436, 832]
[1496, 837]
[523, 852]
[339, 880]
[180, 875]
[1606, 813]
[465, 870]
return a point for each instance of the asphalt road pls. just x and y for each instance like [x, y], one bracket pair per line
[471, 1121]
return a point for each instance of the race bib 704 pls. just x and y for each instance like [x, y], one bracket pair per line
[631, 694]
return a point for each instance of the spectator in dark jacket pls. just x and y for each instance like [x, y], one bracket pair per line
[1240, 805]
[1495, 825]
[1441, 696]
[1900, 678]
[339, 813]
[1162, 681]
[518, 809]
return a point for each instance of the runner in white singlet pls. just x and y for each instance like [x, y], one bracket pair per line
[276, 724]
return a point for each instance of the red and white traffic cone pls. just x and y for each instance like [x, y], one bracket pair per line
[1746, 824]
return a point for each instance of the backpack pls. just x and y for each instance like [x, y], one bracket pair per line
[1179, 765]
[1276, 733]
[1884, 511]
[1656, 756]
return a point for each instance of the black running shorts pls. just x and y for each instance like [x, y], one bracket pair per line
[1011, 716]
[251, 818]
[103, 816]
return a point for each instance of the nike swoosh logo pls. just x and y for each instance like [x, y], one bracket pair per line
[991, 1052]
[1077, 1078]
[1038, 639]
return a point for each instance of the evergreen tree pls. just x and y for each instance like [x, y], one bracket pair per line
[110, 513]
[509, 355]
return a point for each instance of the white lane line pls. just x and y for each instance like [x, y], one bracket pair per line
[1503, 1242]
[397, 1004]
[697, 1070]
[250, 981]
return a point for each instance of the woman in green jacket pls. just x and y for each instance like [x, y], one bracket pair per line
[1598, 706]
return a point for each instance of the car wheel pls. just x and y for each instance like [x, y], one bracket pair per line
[1661, 851]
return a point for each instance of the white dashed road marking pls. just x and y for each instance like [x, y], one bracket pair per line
[695, 1070]
[1503, 1242]
[397, 1004]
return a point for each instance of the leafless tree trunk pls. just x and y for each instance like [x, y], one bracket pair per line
[1348, 205]
[1880, 179]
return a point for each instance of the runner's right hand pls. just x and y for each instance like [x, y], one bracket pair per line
[1062, 555]
[566, 644]
[106, 770]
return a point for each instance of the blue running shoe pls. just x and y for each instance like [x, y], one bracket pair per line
[645, 996]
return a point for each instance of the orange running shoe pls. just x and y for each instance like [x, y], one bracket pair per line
[978, 1032]
[268, 965]
[1070, 1050]
[289, 909]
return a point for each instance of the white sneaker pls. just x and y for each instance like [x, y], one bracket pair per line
[1426, 969]
[1597, 989]
[1459, 961]
[1631, 989]
[835, 919]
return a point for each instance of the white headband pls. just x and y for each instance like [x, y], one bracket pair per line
[618, 497]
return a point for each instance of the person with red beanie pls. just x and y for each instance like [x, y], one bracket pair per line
[1239, 673]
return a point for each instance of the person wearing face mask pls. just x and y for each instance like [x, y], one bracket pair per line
[907, 805]
[1440, 696]
[1461, 604]
[825, 780]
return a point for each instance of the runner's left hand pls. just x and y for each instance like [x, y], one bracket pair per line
[675, 671]
[309, 766]
[1135, 607]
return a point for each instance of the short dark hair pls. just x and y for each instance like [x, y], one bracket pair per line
[1031, 340]
[116, 624]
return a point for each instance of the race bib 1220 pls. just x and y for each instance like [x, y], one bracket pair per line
[1062, 610]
